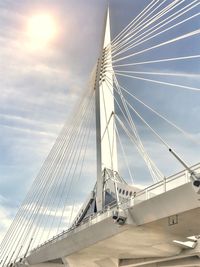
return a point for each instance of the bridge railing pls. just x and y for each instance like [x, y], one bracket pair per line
[167, 184]
[163, 186]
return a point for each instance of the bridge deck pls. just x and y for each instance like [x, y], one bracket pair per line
[149, 209]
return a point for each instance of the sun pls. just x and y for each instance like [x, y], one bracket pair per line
[41, 30]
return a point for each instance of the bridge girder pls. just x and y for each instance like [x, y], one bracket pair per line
[188, 258]
[193, 261]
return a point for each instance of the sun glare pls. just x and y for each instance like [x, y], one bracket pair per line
[41, 30]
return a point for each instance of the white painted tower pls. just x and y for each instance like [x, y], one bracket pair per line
[105, 110]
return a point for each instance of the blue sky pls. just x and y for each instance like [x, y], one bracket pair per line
[40, 88]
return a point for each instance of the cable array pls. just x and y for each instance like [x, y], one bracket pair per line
[44, 211]
[160, 28]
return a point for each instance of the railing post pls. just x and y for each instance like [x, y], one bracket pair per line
[165, 184]
[187, 177]
[147, 195]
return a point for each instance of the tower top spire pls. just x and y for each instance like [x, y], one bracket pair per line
[107, 34]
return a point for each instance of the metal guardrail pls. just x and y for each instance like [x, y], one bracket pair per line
[163, 186]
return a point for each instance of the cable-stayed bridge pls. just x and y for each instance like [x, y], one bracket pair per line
[120, 223]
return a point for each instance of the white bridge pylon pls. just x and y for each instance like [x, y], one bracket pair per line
[105, 110]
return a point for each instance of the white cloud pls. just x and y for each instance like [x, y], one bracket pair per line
[5, 222]
[5, 218]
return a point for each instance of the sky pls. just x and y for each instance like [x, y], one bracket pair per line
[40, 87]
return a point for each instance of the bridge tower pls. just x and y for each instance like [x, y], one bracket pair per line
[105, 110]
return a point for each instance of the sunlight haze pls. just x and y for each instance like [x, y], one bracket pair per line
[41, 30]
